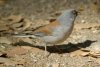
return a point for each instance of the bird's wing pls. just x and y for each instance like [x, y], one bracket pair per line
[42, 31]
[46, 30]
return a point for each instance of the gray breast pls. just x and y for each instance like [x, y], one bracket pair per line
[59, 34]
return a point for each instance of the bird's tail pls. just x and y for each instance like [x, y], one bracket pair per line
[23, 35]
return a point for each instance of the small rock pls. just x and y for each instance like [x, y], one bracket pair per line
[83, 21]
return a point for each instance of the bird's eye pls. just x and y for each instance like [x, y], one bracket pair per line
[75, 12]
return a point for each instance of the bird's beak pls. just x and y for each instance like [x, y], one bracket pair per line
[78, 12]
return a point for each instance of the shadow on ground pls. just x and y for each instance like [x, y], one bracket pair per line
[64, 48]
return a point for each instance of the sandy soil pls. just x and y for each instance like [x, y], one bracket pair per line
[81, 49]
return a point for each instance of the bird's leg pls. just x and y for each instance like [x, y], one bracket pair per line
[45, 49]
[47, 54]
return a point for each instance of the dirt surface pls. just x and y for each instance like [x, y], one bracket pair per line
[81, 49]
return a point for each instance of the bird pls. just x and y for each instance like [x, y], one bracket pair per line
[58, 30]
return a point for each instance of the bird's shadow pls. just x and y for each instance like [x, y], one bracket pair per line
[63, 48]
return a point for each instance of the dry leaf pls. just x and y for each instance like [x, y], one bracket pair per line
[16, 51]
[79, 53]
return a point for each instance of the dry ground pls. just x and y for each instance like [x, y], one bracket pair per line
[81, 49]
